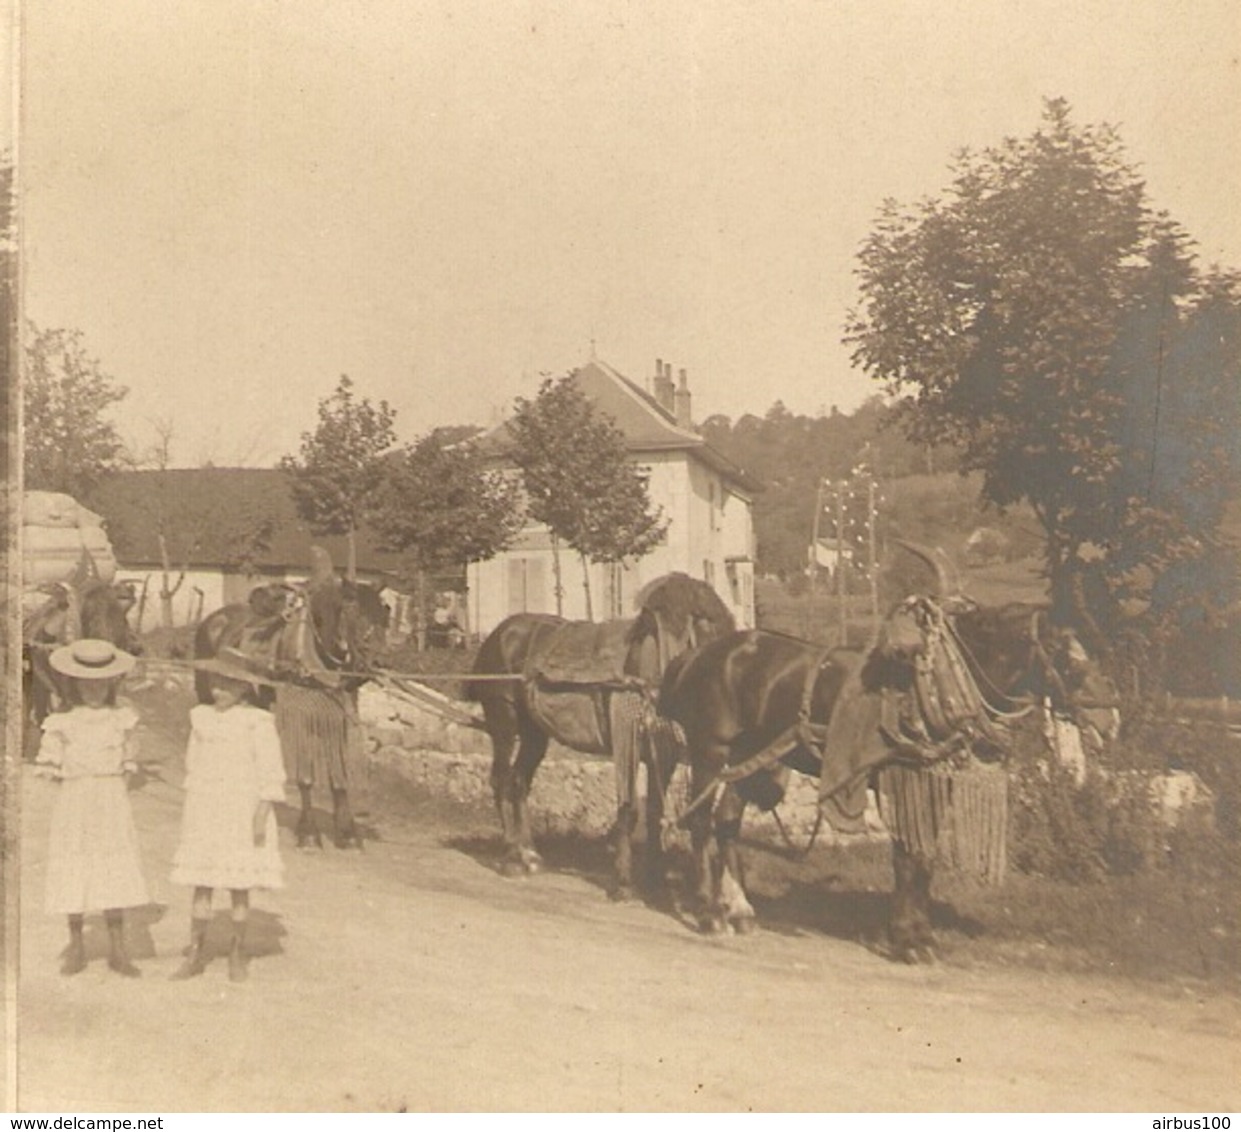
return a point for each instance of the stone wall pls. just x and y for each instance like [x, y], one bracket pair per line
[571, 792]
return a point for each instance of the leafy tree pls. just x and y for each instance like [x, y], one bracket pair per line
[340, 464]
[580, 481]
[1019, 315]
[70, 445]
[440, 506]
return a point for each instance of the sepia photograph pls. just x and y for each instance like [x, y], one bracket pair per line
[617, 557]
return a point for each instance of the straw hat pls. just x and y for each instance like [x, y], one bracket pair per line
[90, 659]
[235, 665]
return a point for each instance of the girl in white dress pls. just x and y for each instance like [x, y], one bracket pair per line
[92, 862]
[234, 774]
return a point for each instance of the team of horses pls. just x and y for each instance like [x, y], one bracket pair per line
[677, 683]
[746, 708]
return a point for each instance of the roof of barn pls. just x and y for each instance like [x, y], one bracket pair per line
[129, 503]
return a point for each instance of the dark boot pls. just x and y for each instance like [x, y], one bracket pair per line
[118, 957]
[238, 961]
[307, 831]
[195, 962]
[347, 835]
[75, 955]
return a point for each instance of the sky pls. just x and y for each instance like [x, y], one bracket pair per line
[237, 201]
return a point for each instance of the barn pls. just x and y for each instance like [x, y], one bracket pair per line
[221, 531]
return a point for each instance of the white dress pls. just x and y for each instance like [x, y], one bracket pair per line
[92, 860]
[233, 762]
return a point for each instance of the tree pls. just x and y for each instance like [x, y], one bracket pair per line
[340, 465]
[580, 481]
[1018, 316]
[441, 507]
[70, 445]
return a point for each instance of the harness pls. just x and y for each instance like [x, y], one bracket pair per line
[943, 715]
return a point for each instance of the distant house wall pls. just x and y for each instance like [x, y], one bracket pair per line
[709, 537]
[213, 585]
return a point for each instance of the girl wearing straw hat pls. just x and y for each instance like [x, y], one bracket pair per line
[93, 860]
[234, 773]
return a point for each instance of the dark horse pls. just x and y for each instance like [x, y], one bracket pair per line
[72, 610]
[317, 642]
[589, 686]
[754, 705]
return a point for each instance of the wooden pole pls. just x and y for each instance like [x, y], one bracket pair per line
[872, 565]
[841, 594]
[814, 555]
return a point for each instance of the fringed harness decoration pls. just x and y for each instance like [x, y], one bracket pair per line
[939, 801]
[321, 736]
[954, 815]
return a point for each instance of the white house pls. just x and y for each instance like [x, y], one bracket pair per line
[705, 497]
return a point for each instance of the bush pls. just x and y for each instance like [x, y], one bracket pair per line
[1106, 825]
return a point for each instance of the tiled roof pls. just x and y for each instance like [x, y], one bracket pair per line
[646, 425]
[128, 503]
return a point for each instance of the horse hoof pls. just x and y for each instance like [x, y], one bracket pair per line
[712, 925]
[744, 925]
[913, 953]
[621, 893]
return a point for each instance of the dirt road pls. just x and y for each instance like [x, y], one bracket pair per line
[413, 976]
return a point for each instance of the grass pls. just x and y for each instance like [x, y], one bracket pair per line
[1175, 925]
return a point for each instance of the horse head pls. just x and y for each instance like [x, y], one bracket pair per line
[349, 622]
[1018, 652]
[676, 614]
[104, 614]
[364, 621]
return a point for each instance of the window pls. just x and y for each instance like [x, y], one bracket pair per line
[527, 585]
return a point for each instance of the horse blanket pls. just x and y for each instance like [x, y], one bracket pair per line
[576, 684]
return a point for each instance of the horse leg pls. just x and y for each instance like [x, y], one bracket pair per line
[706, 876]
[507, 785]
[910, 927]
[661, 762]
[530, 751]
[732, 907]
[34, 712]
[625, 755]
[347, 835]
[307, 831]
[502, 729]
[623, 833]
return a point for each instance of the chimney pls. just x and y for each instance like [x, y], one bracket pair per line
[683, 415]
[663, 389]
